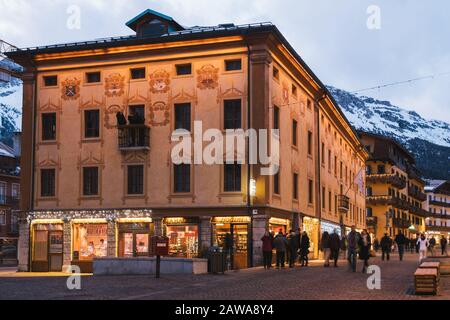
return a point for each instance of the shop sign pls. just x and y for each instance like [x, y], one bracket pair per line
[228, 220]
[278, 221]
[180, 221]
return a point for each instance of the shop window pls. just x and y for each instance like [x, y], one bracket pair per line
[183, 241]
[90, 181]
[136, 180]
[232, 177]
[89, 241]
[182, 178]
[48, 182]
[93, 77]
[48, 126]
[40, 246]
[233, 65]
[232, 114]
[183, 116]
[137, 73]
[134, 239]
[50, 81]
[184, 69]
[91, 123]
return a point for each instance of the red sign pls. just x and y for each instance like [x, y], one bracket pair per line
[160, 246]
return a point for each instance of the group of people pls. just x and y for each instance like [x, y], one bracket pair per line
[420, 245]
[288, 247]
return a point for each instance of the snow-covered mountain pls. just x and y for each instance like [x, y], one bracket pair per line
[427, 140]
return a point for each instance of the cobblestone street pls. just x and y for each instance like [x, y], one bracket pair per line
[314, 282]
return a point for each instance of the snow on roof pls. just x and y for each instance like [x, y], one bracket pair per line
[433, 184]
[6, 151]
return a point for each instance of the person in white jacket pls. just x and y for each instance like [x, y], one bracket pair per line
[422, 242]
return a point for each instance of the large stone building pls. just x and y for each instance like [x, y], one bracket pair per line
[438, 205]
[395, 190]
[96, 186]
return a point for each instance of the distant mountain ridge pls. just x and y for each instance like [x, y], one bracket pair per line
[427, 140]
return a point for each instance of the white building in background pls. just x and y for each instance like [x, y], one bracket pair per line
[438, 204]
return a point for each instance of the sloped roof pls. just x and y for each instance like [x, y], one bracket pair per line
[6, 151]
[433, 184]
[149, 12]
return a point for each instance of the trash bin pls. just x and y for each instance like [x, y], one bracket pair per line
[217, 260]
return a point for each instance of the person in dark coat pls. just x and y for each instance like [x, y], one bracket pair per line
[444, 246]
[400, 240]
[335, 247]
[280, 244]
[376, 245]
[386, 245]
[267, 248]
[293, 248]
[325, 248]
[304, 249]
[364, 248]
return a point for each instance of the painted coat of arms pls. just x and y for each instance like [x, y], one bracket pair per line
[114, 85]
[159, 114]
[160, 81]
[208, 77]
[71, 89]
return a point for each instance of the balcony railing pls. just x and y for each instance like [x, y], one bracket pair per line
[392, 179]
[401, 223]
[343, 203]
[134, 137]
[418, 195]
[439, 216]
[438, 228]
[419, 211]
[440, 203]
[388, 200]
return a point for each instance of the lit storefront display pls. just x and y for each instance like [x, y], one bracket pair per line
[134, 239]
[329, 227]
[231, 234]
[276, 225]
[89, 241]
[311, 226]
[183, 237]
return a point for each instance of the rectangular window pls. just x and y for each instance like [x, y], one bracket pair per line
[232, 65]
[184, 69]
[48, 126]
[50, 81]
[294, 90]
[232, 114]
[295, 186]
[310, 142]
[2, 217]
[310, 192]
[276, 183]
[276, 73]
[329, 160]
[15, 190]
[335, 165]
[182, 178]
[137, 73]
[294, 132]
[276, 117]
[3, 190]
[48, 182]
[183, 116]
[93, 77]
[324, 195]
[92, 123]
[136, 179]
[323, 154]
[329, 201]
[232, 177]
[90, 181]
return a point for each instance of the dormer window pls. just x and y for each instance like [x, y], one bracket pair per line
[151, 23]
[152, 28]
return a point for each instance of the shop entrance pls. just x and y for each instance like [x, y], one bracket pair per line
[135, 239]
[233, 239]
[47, 249]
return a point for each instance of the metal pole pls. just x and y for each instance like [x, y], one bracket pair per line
[158, 266]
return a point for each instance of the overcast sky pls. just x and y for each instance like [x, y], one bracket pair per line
[331, 35]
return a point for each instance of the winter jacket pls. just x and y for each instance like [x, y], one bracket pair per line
[267, 243]
[335, 242]
[386, 243]
[293, 242]
[423, 244]
[325, 241]
[364, 249]
[352, 240]
[304, 246]
[400, 240]
[280, 243]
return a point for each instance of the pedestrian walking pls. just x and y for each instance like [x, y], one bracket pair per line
[325, 248]
[432, 244]
[364, 249]
[280, 244]
[376, 245]
[335, 247]
[444, 246]
[423, 245]
[400, 240]
[386, 244]
[267, 247]
[304, 249]
[352, 248]
[293, 248]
